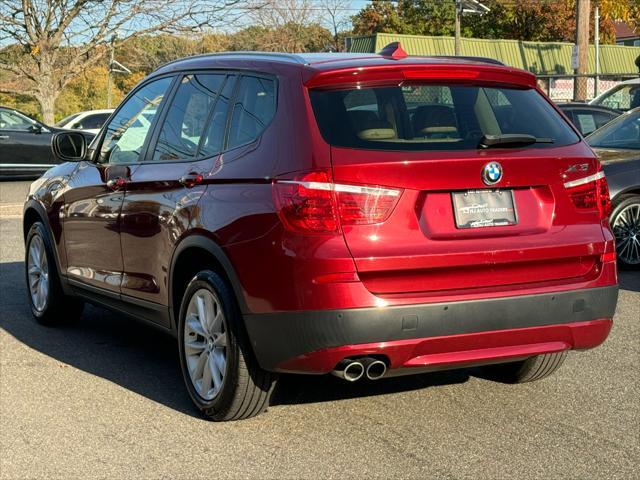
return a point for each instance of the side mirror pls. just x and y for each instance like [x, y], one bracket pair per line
[69, 146]
[35, 128]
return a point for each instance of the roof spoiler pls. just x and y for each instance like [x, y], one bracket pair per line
[395, 51]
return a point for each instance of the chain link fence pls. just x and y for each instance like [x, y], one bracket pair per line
[560, 88]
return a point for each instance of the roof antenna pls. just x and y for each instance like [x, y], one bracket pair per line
[393, 50]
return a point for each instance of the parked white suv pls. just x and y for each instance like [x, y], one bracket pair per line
[90, 120]
[624, 96]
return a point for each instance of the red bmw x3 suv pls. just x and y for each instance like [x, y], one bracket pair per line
[365, 215]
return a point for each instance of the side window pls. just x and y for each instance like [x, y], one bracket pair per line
[620, 99]
[187, 116]
[128, 129]
[253, 109]
[11, 121]
[213, 141]
[91, 122]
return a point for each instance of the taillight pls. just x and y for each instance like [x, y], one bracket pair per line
[313, 203]
[590, 193]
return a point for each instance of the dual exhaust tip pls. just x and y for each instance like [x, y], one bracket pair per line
[353, 370]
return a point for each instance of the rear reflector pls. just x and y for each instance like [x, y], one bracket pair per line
[590, 193]
[313, 203]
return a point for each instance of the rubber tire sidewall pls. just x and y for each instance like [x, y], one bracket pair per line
[211, 281]
[620, 204]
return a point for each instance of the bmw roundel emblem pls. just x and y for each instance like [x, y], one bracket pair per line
[492, 173]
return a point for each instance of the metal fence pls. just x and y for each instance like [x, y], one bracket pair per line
[560, 87]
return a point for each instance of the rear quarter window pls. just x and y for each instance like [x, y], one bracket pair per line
[435, 117]
[253, 108]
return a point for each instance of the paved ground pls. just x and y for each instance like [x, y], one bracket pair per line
[104, 399]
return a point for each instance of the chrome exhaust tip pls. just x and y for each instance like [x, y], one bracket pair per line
[376, 369]
[349, 370]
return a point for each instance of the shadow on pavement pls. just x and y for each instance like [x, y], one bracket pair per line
[630, 280]
[145, 361]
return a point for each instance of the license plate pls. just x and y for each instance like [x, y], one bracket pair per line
[484, 208]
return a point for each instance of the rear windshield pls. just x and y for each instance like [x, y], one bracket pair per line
[435, 117]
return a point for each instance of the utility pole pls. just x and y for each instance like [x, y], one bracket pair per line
[596, 40]
[582, 42]
[471, 7]
[109, 77]
[457, 34]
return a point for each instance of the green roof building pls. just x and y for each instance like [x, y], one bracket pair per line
[541, 58]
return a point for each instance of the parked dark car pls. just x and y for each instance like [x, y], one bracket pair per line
[25, 145]
[618, 146]
[366, 216]
[588, 118]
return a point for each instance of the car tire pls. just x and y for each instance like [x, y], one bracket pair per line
[211, 329]
[49, 305]
[529, 370]
[626, 208]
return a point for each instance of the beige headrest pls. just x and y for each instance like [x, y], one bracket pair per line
[377, 134]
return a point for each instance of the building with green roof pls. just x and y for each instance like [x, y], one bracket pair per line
[541, 58]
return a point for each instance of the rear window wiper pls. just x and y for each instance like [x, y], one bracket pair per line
[510, 140]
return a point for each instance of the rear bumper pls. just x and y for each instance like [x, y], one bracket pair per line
[437, 335]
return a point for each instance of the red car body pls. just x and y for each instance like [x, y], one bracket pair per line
[406, 286]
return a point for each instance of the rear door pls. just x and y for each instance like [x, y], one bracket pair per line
[467, 216]
[162, 195]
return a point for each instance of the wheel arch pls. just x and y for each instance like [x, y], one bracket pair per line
[191, 255]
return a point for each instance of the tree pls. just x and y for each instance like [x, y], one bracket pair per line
[337, 20]
[286, 26]
[533, 20]
[51, 42]
[378, 17]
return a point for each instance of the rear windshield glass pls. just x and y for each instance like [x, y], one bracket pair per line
[435, 117]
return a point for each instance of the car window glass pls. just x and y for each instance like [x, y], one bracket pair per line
[187, 117]
[621, 98]
[91, 122]
[126, 132]
[435, 117]
[253, 108]
[13, 121]
[66, 120]
[623, 133]
[213, 140]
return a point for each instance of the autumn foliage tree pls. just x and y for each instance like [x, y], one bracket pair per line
[48, 43]
[532, 20]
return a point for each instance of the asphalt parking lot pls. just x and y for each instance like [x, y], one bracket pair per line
[104, 399]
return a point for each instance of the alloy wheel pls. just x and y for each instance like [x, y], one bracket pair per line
[205, 343]
[38, 273]
[626, 228]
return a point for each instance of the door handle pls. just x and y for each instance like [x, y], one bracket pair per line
[116, 183]
[191, 180]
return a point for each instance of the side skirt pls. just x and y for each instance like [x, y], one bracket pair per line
[150, 313]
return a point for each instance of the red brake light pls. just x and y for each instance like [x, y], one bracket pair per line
[307, 204]
[591, 193]
[313, 203]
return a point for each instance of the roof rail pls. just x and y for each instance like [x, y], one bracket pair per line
[292, 57]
